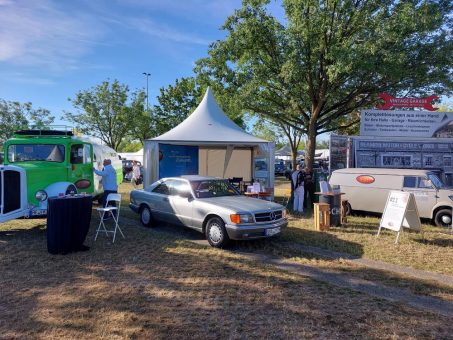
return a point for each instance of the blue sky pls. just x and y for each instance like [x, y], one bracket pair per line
[51, 49]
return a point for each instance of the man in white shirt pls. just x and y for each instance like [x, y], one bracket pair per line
[108, 180]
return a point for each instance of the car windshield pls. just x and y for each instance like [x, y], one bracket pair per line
[436, 181]
[36, 152]
[213, 188]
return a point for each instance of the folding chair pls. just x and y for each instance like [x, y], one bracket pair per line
[114, 212]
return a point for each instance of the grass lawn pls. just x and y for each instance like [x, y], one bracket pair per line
[431, 249]
[157, 285]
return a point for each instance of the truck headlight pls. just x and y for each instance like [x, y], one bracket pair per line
[41, 195]
[241, 218]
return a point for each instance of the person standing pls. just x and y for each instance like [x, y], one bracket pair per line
[135, 174]
[297, 181]
[309, 187]
[108, 180]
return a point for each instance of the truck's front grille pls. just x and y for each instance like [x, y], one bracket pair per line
[269, 216]
[12, 189]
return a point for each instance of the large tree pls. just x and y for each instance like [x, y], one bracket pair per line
[106, 111]
[327, 59]
[17, 116]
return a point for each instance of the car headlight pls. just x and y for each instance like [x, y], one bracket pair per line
[241, 218]
[41, 195]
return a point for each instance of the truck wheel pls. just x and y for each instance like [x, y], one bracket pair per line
[443, 218]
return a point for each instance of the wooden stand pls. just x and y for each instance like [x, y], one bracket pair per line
[321, 216]
[344, 209]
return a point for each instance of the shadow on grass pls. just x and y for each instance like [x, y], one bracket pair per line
[441, 242]
[155, 285]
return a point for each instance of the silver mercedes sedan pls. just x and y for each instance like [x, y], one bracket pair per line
[210, 205]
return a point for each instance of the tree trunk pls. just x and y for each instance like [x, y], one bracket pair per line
[311, 146]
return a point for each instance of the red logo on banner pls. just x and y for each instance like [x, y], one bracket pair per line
[390, 102]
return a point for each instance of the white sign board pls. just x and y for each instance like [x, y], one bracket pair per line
[391, 123]
[400, 211]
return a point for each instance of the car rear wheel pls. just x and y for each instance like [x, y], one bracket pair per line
[216, 233]
[146, 217]
[443, 218]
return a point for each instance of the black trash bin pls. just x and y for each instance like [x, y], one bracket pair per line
[68, 221]
[334, 200]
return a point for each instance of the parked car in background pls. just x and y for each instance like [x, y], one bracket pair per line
[209, 205]
[280, 169]
[127, 168]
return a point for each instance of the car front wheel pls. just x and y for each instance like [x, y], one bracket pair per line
[216, 233]
[146, 218]
[443, 218]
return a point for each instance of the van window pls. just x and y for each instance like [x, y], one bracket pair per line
[410, 182]
[417, 182]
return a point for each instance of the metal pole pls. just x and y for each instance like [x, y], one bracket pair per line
[147, 75]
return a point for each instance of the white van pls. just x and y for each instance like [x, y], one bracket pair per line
[366, 189]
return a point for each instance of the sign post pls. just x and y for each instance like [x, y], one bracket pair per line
[400, 211]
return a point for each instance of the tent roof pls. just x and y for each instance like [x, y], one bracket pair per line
[286, 151]
[208, 123]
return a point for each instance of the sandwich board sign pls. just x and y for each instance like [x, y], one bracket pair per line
[400, 211]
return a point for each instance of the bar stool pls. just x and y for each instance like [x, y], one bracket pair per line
[321, 214]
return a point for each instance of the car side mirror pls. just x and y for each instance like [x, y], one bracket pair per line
[186, 194]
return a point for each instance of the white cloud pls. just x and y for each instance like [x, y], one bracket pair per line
[165, 32]
[37, 33]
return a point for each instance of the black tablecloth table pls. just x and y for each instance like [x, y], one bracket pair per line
[68, 221]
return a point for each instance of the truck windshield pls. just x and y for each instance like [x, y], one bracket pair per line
[436, 181]
[36, 152]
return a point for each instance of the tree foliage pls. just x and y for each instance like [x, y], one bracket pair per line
[106, 111]
[18, 116]
[329, 59]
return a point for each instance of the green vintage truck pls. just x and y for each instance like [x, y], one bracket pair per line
[43, 163]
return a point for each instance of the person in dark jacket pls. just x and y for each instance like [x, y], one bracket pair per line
[309, 188]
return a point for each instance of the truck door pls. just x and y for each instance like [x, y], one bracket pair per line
[424, 192]
[80, 169]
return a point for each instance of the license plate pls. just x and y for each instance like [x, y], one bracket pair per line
[272, 231]
[38, 212]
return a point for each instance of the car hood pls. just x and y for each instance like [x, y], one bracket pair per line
[242, 203]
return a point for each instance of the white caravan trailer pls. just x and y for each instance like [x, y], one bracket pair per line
[367, 189]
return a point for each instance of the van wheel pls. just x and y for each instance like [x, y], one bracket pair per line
[443, 218]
